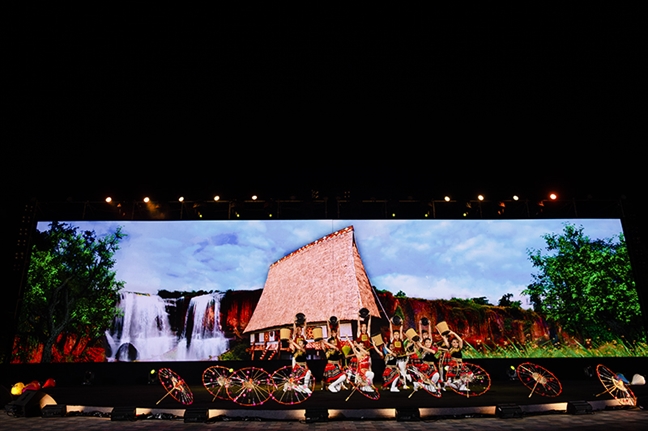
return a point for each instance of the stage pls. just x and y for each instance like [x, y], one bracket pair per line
[106, 386]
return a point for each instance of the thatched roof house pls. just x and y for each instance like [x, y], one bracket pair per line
[322, 279]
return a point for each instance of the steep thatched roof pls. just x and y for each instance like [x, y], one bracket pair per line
[322, 279]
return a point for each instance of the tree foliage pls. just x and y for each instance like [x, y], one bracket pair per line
[71, 286]
[586, 285]
[505, 301]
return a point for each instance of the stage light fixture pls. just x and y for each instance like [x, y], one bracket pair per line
[512, 373]
[216, 198]
[196, 415]
[153, 377]
[108, 199]
[447, 198]
[408, 414]
[553, 196]
[507, 411]
[123, 414]
[579, 408]
[316, 415]
[515, 197]
[254, 197]
[54, 411]
[146, 199]
[181, 199]
[88, 378]
[480, 197]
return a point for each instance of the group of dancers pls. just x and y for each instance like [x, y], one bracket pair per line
[411, 360]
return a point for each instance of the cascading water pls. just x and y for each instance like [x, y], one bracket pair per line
[203, 338]
[143, 332]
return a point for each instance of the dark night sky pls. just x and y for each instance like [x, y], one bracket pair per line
[480, 98]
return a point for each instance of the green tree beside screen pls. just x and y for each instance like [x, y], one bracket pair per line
[71, 286]
[586, 285]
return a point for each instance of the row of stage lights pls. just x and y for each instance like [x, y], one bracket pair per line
[552, 196]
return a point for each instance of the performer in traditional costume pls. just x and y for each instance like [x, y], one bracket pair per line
[454, 359]
[364, 331]
[334, 376]
[300, 367]
[396, 348]
[363, 374]
[427, 365]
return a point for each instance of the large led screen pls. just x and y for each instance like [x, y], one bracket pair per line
[223, 290]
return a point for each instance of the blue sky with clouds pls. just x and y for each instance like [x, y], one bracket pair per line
[429, 259]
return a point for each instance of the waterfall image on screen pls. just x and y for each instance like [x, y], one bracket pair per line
[143, 332]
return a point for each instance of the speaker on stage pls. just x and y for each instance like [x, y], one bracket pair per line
[29, 404]
[579, 408]
[196, 415]
[507, 411]
[408, 414]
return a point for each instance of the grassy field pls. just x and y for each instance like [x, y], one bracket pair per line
[615, 348]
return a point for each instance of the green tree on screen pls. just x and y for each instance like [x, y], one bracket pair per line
[586, 285]
[71, 286]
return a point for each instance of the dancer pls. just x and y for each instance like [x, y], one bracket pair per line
[363, 375]
[364, 331]
[334, 376]
[391, 373]
[454, 355]
[299, 325]
[427, 365]
[397, 350]
[300, 367]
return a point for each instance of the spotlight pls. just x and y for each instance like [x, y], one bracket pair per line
[638, 379]
[181, 199]
[216, 198]
[501, 207]
[147, 200]
[515, 197]
[447, 198]
[553, 196]
[152, 377]
[511, 373]
[254, 197]
[480, 197]
[108, 199]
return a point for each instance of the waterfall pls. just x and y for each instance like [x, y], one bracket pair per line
[142, 331]
[203, 338]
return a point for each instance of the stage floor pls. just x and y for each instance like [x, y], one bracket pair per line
[500, 392]
[124, 385]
